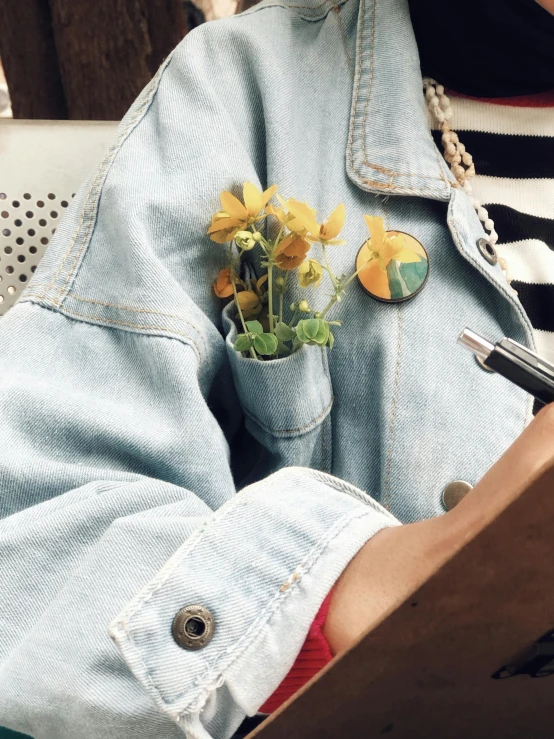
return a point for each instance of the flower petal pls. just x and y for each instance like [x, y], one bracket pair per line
[223, 287]
[291, 252]
[407, 256]
[335, 222]
[303, 213]
[247, 300]
[376, 231]
[268, 194]
[252, 199]
[223, 224]
[233, 206]
[260, 282]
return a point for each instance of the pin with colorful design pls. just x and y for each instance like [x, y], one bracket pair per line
[392, 266]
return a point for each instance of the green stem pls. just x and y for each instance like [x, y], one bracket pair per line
[342, 286]
[364, 265]
[293, 318]
[281, 296]
[328, 267]
[329, 305]
[244, 326]
[270, 296]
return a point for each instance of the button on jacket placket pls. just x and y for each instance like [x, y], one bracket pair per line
[407, 169]
[402, 168]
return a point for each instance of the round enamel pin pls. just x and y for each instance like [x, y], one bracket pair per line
[392, 266]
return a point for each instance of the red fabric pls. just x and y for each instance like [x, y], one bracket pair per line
[540, 100]
[314, 655]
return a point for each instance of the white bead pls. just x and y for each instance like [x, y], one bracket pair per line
[482, 213]
[448, 113]
[489, 224]
[467, 158]
[450, 149]
[461, 148]
[493, 237]
[458, 172]
[439, 115]
[430, 92]
[440, 90]
[476, 204]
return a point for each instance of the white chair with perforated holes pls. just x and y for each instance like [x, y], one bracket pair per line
[42, 163]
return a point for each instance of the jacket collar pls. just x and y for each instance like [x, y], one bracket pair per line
[390, 147]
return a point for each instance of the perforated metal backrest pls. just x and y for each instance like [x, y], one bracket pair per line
[42, 163]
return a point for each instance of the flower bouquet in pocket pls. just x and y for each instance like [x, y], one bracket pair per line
[264, 331]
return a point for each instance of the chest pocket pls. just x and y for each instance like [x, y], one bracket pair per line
[286, 403]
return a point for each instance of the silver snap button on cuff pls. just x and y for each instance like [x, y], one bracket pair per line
[193, 627]
[487, 250]
[454, 492]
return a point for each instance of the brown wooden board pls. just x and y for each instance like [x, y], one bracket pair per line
[425, 671]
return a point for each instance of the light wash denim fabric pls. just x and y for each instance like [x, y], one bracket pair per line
[128, 423]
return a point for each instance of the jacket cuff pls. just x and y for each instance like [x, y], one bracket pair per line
[262, 565]
[314, 656]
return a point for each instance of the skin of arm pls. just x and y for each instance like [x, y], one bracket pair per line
[396, 561]
[547, 5]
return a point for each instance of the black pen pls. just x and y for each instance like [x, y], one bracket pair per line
[514, 362]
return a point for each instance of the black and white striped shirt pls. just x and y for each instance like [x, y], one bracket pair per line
[513, 151]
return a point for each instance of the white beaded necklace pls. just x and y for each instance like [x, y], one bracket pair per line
[460, 160]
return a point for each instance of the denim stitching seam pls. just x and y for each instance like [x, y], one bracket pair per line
[237, 648]
[90, 206]
[365, 161]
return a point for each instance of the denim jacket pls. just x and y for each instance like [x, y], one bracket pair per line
[128, 424]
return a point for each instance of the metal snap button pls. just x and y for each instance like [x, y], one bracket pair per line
[454, 492]
[193, 627]
[487, 250]
[482, 364]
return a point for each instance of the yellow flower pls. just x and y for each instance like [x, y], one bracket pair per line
[222, 286]
[304, 221]
[310, 272]
[383, 247]
[259, 284]
[288, 219]
[236, 216]
[291, 252]
[249, 303]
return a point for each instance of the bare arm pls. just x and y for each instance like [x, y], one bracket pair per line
[396, 561]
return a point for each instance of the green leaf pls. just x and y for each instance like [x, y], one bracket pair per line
[296, 344]
[255, 326]
[310, 327]
[282, 348]
[265, 343]
[284, 332]
[300, 335]
[243, 343]
[322, 333]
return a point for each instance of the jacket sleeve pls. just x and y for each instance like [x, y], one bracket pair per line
[117, 411]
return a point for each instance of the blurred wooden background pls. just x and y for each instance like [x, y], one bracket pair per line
[83, 60]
